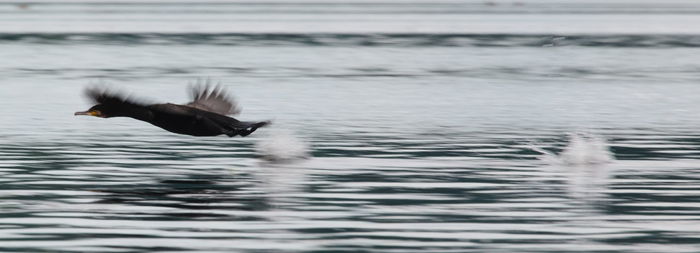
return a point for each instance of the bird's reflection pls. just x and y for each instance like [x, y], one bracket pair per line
[209, 192]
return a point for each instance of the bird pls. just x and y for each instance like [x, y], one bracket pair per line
[205, 115]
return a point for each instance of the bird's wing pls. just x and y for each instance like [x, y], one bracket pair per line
[102, 95]
[213, 99]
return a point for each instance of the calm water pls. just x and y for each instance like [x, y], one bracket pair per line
[453, 127]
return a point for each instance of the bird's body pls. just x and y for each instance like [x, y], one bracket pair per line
[204, 116]
[183, 119]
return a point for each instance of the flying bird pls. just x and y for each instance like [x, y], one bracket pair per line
[206, 115]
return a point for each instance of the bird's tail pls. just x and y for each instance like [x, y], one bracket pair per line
[245, 128]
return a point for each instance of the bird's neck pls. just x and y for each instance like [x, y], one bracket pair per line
[140, 113]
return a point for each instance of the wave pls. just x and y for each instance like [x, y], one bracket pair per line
[358, 40]
[595, 73]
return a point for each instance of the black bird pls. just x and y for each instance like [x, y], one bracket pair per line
[204, 116]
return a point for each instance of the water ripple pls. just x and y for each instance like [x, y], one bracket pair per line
[492, 192]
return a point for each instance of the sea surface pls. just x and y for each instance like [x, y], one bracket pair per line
[418, 126]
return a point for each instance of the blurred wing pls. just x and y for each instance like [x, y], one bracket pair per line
[105, 96]
[213, 99]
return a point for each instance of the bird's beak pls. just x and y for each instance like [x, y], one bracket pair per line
[89, 113]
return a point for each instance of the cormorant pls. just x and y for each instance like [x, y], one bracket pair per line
[204, 116]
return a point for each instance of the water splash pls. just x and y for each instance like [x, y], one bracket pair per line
[280, 174]
[282, 146]
[584, 161]
[582, 150]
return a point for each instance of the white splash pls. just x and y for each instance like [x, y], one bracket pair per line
[282, 146]
[584, 161]
[582, 149]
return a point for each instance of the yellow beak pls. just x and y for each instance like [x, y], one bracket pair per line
[89, 113]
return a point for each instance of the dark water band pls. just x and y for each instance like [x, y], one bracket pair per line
[359, 40]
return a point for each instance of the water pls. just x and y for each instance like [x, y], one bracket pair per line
[451, 127]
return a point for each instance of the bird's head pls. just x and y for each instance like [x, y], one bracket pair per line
[99, 110]
[109, 103]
